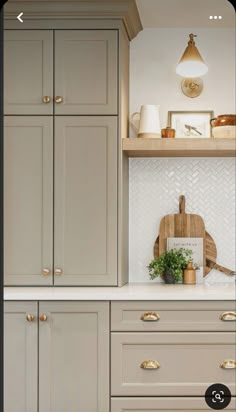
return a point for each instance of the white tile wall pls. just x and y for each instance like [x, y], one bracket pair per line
[155, 185]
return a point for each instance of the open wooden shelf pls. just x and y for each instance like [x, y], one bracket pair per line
[209, 147]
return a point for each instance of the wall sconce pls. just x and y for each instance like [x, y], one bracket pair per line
[190, 66]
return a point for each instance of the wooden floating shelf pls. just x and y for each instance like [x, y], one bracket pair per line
[187, 147]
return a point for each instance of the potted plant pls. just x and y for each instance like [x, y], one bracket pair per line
[170, 265]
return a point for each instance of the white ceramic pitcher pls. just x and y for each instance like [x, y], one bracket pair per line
[147, 122]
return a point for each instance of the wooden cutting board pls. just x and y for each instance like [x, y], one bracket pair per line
[175, 226]
[180, 224]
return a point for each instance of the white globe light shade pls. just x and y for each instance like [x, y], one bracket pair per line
[191, 68]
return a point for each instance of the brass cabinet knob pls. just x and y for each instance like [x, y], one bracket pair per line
[58, 271]
[30, 317]
[228, 316]
[58, 99]
[46, 272]
[46, 99]
[228, 364]
[150, 317]
[150, 364]
[43, 317]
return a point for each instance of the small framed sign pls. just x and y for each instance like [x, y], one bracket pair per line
[191, 124]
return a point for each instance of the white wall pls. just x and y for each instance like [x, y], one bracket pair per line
[155, 184]
[154, 54]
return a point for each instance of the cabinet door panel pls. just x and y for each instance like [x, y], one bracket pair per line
[86, 200]
[28, 71]
[20, 357]
[86, 71]
[167, 404]
[74, 357]
[28, 200]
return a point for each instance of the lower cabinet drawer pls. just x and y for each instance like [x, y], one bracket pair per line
[173, 316]
[163, 404]
[171, 364]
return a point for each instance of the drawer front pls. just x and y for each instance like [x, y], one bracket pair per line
[179, 364]
[163, 404]
[173, 316]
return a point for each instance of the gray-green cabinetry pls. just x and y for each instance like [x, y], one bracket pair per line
[84, 72]
[168, 404]
[59, 359]
[28, 200]
[85, 237]
[28, 72]
[20, 357]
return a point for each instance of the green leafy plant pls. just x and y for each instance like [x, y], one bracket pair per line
[175, 261]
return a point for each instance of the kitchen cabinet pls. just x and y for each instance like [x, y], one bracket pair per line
[82, 78]
[84, 236]
[171, 364]
[86, 79]
[85, 224]
[57, 359]
[20, 357]
[28, 200]
[163, 404]
[28, 72]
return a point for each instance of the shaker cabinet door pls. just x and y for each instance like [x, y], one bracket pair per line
[28, 200]
[74, 356]
[85, 225]
[28, 72]
[20, 357]
[86, 72]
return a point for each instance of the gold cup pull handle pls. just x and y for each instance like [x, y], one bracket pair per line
[43, 317]
[150, 317]
[150, 364]
[58, 99]
[228, 316]
[46, 99]
[30, 317]
[228, 364]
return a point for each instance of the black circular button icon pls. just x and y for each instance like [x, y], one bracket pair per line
[218, 396]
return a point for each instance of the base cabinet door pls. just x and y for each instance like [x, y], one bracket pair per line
[167, 404]
[74, 356]
[28, 200]
[85, 220]
[20, 357]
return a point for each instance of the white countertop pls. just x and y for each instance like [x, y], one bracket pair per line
[131, 291]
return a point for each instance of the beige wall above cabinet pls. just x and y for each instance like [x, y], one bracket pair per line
[28, 200]
[28, 72]
[85, 201]
[86, 71]
[20, 357]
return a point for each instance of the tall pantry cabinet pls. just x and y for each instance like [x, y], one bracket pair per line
[66, 180]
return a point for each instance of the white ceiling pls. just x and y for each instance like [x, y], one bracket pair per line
[186, 13]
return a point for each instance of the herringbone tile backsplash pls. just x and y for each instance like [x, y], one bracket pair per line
[155, 185]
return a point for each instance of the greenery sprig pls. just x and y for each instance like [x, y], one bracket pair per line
[175, 260]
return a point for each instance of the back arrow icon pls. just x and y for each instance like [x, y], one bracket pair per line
[19, 17]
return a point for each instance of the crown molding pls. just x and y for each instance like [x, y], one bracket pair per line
[125, 10]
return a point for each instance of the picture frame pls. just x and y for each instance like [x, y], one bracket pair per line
[191, 124]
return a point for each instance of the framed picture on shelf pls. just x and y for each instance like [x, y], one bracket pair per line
[191, 124]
